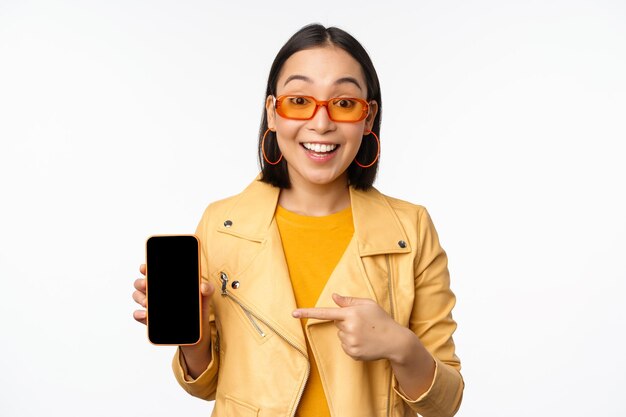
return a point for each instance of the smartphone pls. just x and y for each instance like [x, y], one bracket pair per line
[173, 297]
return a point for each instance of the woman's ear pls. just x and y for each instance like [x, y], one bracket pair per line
[369, 120]
[270, 112]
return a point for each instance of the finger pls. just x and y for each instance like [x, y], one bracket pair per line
[142, 269]
[342, 301]
[140, 298]
[140, 316]
[319, 313]
[207, 289]
[140, 284]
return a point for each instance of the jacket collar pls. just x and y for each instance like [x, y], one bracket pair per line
[377, 228]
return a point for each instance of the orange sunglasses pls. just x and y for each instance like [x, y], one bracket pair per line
[340, 109]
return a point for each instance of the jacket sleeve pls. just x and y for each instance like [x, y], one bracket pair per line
[431, 320]
[205, 385]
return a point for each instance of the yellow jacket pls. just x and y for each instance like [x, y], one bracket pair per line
[259, 363]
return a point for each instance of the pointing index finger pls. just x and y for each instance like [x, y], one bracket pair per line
[330, 313]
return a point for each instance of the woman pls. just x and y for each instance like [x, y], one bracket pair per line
[321, 295]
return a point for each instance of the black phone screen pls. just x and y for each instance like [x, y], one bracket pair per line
[173, 290]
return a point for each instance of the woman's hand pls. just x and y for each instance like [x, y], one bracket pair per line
[366, 331]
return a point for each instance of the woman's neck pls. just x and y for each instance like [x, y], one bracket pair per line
[315, 199]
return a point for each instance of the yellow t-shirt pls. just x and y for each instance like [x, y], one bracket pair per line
[313, 247]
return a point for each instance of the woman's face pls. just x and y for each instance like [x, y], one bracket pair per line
[323, 72]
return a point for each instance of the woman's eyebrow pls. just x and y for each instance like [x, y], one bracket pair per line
[349, 80]
[308, 80]
[297, 77]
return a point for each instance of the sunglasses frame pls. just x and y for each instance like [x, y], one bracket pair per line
[321, 103]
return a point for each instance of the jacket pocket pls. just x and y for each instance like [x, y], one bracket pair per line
[238, 408]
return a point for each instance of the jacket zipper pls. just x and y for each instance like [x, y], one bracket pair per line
[391, 311]
[254, 323]
[250, 314]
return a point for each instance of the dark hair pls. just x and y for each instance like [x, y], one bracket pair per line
[310, 36]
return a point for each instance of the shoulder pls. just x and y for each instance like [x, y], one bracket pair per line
[414, 218]
[217, 210]
[218, 207]
[380, 217]
[407, 212]
[248, 212]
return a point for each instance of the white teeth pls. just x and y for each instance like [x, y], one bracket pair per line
[319, 148]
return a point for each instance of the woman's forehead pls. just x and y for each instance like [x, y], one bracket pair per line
[322, 67]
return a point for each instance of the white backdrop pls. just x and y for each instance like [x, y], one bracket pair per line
[122, 119]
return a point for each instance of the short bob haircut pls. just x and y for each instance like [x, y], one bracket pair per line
[312, 36]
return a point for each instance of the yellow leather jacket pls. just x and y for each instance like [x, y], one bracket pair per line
[259, 363]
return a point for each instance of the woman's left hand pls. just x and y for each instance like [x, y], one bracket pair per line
[366, 331]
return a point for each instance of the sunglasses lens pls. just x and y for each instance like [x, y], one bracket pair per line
[296, 107]
[346, 110]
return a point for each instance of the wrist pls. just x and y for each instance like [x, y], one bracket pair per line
[196, 359]
[406, 348]
[412, 364]
[399, 347]
[199, 349]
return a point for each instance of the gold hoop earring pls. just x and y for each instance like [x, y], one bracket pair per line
[377, 152]
[263, 149]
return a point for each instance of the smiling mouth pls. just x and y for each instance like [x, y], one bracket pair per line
[320, 148]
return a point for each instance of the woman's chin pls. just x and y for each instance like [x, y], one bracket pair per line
[322, 178]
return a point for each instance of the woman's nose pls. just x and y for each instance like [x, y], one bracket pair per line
[321, 120]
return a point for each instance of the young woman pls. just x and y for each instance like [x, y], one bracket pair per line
[321, 295]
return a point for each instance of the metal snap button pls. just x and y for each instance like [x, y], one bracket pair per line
[235, 284]
[228, 223]
[402, 244]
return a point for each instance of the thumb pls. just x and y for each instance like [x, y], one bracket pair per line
[342, 301]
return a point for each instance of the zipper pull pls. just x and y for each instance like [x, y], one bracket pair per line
[224, 279]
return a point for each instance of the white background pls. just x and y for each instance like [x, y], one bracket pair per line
[122, 119]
